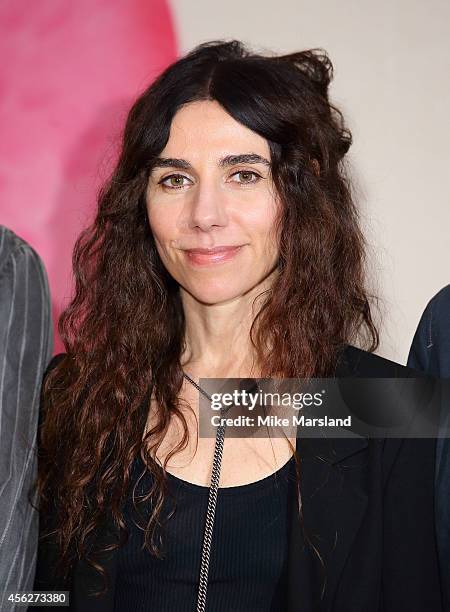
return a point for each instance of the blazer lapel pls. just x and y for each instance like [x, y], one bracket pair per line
[334, 500]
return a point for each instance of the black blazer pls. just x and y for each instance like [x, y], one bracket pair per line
[430, 351]
[368, 509]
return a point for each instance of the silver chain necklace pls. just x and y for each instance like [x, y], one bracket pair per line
[211, 511]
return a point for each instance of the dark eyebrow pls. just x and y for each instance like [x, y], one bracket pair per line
[228, 160]
[244, 158]
[170, 162]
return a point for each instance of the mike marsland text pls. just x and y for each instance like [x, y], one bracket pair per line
[276, 421]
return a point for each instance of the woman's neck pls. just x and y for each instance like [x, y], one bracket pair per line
[217, 338]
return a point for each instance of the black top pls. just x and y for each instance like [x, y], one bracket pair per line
[248, 562]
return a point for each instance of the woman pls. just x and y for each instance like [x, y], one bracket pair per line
[226, 245]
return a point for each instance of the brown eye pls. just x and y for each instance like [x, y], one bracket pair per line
[174, 181]
[247, 176]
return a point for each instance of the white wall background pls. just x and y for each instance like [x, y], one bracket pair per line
[392, 81]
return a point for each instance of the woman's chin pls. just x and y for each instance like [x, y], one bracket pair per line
[216, 293]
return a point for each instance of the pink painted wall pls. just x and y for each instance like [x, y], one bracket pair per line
[69, 73]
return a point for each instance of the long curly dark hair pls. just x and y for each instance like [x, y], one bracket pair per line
[123, 331]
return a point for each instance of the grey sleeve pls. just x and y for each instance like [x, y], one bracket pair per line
[26, 346]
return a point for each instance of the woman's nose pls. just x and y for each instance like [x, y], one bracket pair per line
[208, 207]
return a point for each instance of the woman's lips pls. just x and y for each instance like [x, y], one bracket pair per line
[202, 257]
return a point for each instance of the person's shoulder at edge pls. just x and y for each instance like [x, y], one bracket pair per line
[24, 269]
[436, 316]
[430, 348]
[11, 245]
[440, 302]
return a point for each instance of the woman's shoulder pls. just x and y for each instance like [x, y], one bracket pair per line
[354, 361]
[388, 395]
[54, 361]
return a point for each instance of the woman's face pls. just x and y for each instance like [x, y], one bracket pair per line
[211, 188]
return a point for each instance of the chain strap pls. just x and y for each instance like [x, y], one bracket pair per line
[211, 511]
